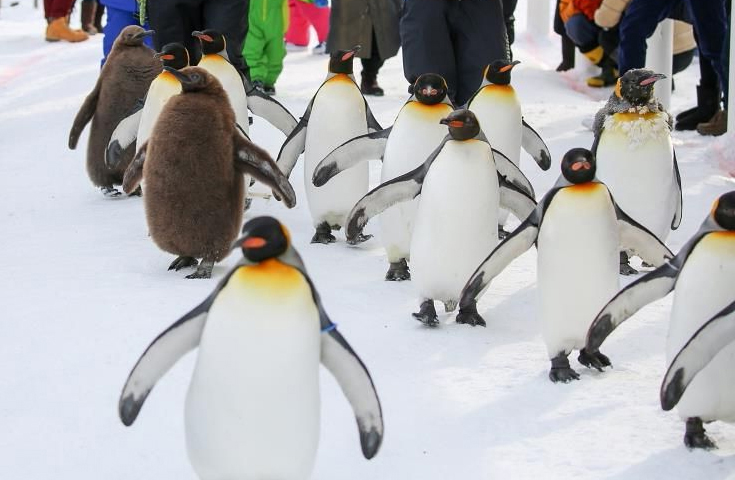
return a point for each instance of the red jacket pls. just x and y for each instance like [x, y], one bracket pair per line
[567, 8]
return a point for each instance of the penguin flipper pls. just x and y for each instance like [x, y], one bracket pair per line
[252, 160]
[636, 237]
[271, 110]
[177, 340]
[535, 146]
[372, 123]
[679, 200]
[370, 146]
[357, 385]
[294, 144]
[517, 242]
[649, 288]
[134, 172]
[512, 173]
[124, 134]
[84, 115]
[515, 200]
[713, 336]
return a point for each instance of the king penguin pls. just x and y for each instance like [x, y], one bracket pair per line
[578, 229]
[195, 189]
[700, 345]
[125, 77]
[252, 409]
[137, 126]
[336, 113]
[240, 91]
[415, 133]
[635, 156]
[497, 108]
[456, 219]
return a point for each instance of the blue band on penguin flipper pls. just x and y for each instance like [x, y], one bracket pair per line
[329, 328]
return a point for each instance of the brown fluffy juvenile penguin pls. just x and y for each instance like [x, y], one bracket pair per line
[193, 165]
[123, 80]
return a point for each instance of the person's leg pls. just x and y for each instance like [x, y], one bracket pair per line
[89, 9]
[567, 46]
[584, 33]
[319, 19]
[298, 25]
[173, 21]
[254, 53]
[711, 24]
[478, 30]
[58, 27]
[370, 68]
[274, 53]
[638, 23]
[231, 18]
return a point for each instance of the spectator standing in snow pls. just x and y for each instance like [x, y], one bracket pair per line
[91, 16]
[711, 27]
[305, 13]
[56, 13]
[455, 39]
[120, 14]
[174, 20]
[373, 24]
[264, 49]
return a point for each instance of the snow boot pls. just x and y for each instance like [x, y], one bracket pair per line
[89, 9]
[708, 102]
[609, 74]
[369, 85]
[716, 126]
[58, 29]
[567, 54]
[98, 13]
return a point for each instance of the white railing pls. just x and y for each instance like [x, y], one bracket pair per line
[659, 59]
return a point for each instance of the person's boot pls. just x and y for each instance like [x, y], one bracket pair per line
[609, 74]
[567, 54]
[369, 85]
[708, 102]
[58, 29]
[88, 11]
[98, 13]
[716, 126]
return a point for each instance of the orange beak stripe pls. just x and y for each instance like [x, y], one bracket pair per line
[206, 38]
[254, 242]
[456, 124]
[581, 166]
[506, 68]
[166, 57]
[347, 56]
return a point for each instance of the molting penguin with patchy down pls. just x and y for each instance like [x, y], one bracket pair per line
[124, 80]
[194, 197]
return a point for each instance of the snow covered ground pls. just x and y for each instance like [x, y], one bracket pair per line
[85, 291]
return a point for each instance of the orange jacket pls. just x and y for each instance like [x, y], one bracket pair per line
[567, 8]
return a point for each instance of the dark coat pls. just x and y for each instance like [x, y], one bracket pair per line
[352, 22]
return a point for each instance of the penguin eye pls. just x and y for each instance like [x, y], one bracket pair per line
[195, 77]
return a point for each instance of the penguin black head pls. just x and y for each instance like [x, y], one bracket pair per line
[498, 72]
[133, 36]
[195, 79]
[636, 86]
[463, 124]
[174, 55]
[579, 166]
[341, 60]
[263, 238]
[211, 40]
[724, 210]
[430, 89]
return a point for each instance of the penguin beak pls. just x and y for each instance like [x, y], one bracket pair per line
[581, 166]
[509, 66]
[181, 77]
[202, 36]
[144, 34]
[452, 123]
[652, 79]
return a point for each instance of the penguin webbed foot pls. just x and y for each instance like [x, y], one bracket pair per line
[450, 305]
[183, 262]
[625, 268]
[204, 270]
[110, 192]
[398, 271]
[502, 233]
[359, 238]
[468, 316]
[323, 234]
[696, 437]
[561, 371]
[427, 314]
[248, 202]
[594, 360]
[138, 192]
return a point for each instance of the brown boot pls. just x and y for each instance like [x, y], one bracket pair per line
[88, 15]
[58, 29]
[98, 18]
[716, 126]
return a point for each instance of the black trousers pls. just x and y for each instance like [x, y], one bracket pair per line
[455, 39]
[174, 20]
[371, 66]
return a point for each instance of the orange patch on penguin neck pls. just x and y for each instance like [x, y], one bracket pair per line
[587, 187]
[270, 275]
[340, 77]
[499, 89]
[632, 116]
[726, 235]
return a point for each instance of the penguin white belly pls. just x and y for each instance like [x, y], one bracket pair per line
[456, 221]
[704, 287]
[337, 115]
[232, 83]
[415, 135]
[499, 113]
[252, 410]
[162, 88]
[635, 160]
[578, 264]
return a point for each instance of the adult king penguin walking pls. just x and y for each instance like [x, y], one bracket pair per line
[252, 408]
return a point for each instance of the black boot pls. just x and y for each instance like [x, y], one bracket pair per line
[567, 54]
[708, 103]
[608, 76]
[369, 85]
